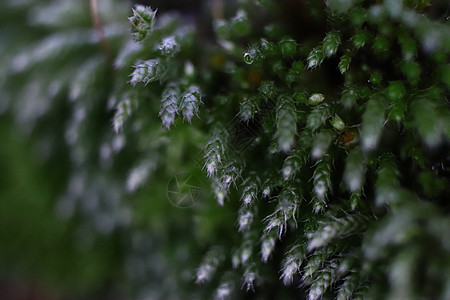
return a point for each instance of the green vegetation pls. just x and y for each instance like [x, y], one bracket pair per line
[310, 140]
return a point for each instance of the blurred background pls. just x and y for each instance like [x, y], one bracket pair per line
[69, 228]
[90, 202]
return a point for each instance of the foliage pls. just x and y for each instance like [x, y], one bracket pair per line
[319, 134]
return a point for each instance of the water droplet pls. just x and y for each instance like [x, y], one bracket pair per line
[249, 58]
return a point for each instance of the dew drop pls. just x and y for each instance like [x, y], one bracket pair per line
[248, 58]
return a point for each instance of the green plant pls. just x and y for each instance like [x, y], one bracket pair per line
[319, 132]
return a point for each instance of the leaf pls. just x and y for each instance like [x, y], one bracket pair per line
[286, 115]
[169, 104]
[373, 120]
[190, 102]
[142, 22]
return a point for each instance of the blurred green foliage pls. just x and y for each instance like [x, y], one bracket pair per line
[37, 246]
[317, 133]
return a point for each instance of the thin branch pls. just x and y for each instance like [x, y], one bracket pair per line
[217, 9]
[99, 30]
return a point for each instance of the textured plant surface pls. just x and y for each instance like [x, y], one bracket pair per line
[318, 131]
